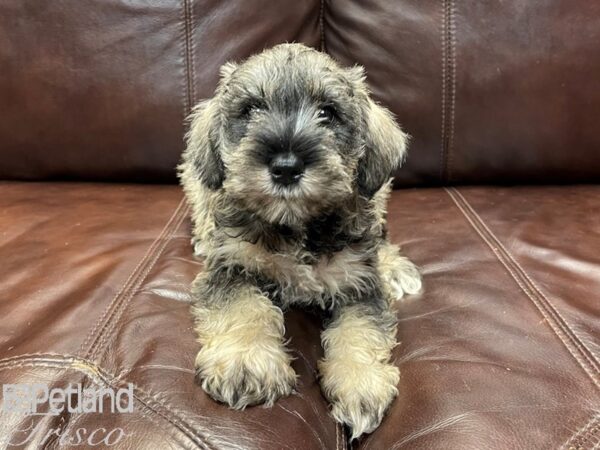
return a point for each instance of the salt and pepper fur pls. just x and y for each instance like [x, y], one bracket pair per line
[321, 242]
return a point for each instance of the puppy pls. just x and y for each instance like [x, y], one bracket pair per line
[287, 170]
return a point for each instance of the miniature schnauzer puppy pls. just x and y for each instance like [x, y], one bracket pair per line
[287, 170]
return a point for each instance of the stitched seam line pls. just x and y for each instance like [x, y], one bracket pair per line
[586, 434]
[183, 63]
[187, 57]
[588, 353]
[115, 304]
[339, 437]
[556, 322]
[452, 50]
[102, 323]
[443, 109]
[102, 377]
[124, 301]
[135, 286]
[109, 311]
[184, 60]
[322, 26]
[448, 86]
[190, 49]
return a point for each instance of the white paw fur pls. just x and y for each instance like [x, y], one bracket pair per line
[243, 360]
[356, 375]
[399, 275]
[359, 393]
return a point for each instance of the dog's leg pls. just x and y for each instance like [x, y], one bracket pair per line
[398, 274]
[356, 375]
[243, 360]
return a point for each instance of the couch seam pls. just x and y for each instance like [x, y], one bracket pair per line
[343, 441]
[183, 63]
[322, 26]
[133, 289]
[191, 50]
[591, 357]
[443, 93]
[449, 154]
[96, 372]
[101, 324]
[448, 94]
[31, 356]
[581, 436]
[554, 319]
[185, 52]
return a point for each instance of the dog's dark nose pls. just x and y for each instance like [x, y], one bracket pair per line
[286, 168]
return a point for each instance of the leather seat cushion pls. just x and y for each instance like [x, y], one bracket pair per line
[499, 351]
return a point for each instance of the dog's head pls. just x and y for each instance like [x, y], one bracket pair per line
[290, 134]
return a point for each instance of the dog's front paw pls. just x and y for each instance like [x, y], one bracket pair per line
[245, 377]
[399, 275]
[359, 393]
[199, 249]
[404, 279]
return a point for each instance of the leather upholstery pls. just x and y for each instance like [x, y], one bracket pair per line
[109, 83]
[500, 351]
[490, 91]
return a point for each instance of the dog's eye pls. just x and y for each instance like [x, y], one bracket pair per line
[326, 114]
[250, 109]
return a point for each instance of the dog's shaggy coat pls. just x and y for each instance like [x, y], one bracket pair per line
[319, 241]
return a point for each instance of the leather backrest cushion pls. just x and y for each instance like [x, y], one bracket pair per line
[491, 91]
[98, 89]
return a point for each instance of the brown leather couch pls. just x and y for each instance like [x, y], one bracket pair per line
[502, 348]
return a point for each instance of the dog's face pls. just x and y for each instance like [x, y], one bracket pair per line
[289, 134]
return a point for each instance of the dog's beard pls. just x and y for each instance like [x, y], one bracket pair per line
[320, 189]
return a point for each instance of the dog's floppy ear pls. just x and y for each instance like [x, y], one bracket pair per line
[203, 144]
[384, 142]
[203, 139]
